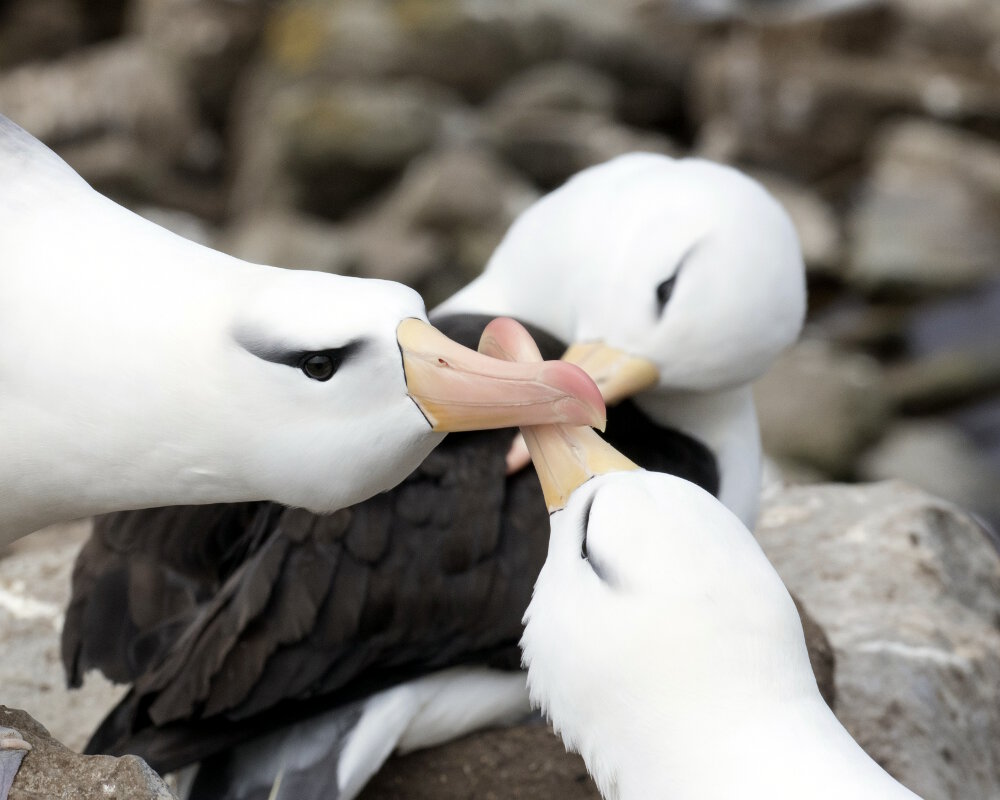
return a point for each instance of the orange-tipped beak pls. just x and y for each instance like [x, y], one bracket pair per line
[458, 389]
[565, 457]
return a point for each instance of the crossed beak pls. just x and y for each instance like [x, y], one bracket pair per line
[458, 389]
[617, 374]
[565, 457]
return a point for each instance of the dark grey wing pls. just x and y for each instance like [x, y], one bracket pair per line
[335, 607]
[325, 610]
[140, 576]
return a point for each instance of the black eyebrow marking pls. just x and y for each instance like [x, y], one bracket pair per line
[296, 357]
[585, 519]
[665, 288]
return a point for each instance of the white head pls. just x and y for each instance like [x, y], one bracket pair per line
[655, 616]
[138, 368]
[686, 265]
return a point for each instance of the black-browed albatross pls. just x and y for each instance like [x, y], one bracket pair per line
[138, 368]
[493, 532]
[662, 644]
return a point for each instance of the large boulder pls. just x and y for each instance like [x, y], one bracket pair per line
[907, 588]
[51, 771]
[929, 213]
[821, 407]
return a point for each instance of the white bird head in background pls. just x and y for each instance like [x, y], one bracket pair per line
[688, 270]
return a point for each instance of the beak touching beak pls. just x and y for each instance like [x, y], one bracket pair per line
[458, 389]
[617, 374]
[565, 457]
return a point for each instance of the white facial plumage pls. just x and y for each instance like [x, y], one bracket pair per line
[685, 265]
[606, 241]
[666, 650]
[141, 369]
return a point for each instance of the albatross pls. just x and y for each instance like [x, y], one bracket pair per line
[437, 572]
[140, 369]
[663, 646]
[679, 282]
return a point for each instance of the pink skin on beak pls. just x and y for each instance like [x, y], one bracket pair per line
[565, 457]
[458, 389]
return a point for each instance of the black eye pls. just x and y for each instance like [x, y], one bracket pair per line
[318, 366]
[586, 524]
[663, 292]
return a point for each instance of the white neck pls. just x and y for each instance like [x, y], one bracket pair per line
[726, 422]
[795, 750]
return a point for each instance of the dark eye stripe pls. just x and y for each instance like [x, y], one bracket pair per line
[297, 357]
[663, 292]
[586, 524]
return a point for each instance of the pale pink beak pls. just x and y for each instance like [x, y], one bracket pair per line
[565, 457]
[458, 389]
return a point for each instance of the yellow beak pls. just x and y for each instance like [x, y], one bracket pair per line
[617, 374]
[565, 457]
[458, 389]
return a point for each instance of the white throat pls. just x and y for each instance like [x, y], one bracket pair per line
[726, 422]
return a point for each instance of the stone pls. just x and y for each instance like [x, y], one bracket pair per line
[814, 219]
[323, 148]
[821, 407]
[32, 30]
[34, 589]
[784, 103]
[51, 771]
[397, 254]
[455, 189]
[559, 85]
[528, 762]
[907, 588]
[209, 43]
[929, 213]
[551, 145]
[119, 114]
[943, 380]
[293, 241]
[939, 458]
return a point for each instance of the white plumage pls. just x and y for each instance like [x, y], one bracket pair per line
[609, 239]
[140, 369]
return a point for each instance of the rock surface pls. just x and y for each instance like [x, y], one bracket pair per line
[908, 590]
[821, 407]
[929, 215]
[51, 771]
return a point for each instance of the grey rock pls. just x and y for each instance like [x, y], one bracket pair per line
[528, 762]
[32, 30]
[323, 148]
[944, 380]
[208, 43]
[51, 771]
[559, 85]
[398, 254]
[821, 407]
[294, 241]
[814, 219]
[780, 100]
[452, 190]
[550, 145]
[937, 457]
[929, 214]
[907, 589]
[121, 88]
[960, 31]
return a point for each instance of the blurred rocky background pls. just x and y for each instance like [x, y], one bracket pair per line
[399, 138]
